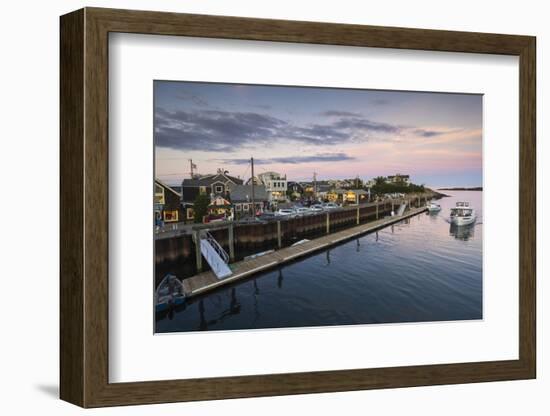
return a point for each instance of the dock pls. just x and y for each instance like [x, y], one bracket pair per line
[207, 281]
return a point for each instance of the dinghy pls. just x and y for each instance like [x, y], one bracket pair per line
[169, 293]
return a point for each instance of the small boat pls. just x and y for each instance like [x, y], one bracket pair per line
[169, 293]
[463, 214]
[433, 207]
[260, 254]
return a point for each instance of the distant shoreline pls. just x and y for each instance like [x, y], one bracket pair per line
[476, 188]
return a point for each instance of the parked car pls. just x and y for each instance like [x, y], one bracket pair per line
[330, 206]
[286, 212]
[316, 208]
[303, 211]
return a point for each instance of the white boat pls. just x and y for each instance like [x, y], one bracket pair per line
[260, 254]
[169, 293]
[433, 207]
[463, 214]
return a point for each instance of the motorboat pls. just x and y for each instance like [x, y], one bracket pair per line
[169, 293]
[433, 207]
[463, 214]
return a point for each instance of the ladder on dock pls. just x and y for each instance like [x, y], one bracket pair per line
[215, 255]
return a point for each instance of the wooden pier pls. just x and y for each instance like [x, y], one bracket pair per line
[207, 281]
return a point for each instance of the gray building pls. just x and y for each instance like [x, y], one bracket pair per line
[241, 199]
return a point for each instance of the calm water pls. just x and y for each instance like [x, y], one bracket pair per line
[421, 269]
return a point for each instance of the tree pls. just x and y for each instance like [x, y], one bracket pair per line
[380, 180]
[200, 207]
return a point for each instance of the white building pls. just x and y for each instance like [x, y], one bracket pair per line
[275, 184]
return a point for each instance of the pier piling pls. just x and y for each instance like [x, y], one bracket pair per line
[231, 242]
[198, 254]
[279, 241]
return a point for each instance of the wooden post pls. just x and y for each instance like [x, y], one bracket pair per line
[231, 242]
[279, 241]
[376, 210]
[357, 214]
[328, 222]
[392, 205]
[198, 254]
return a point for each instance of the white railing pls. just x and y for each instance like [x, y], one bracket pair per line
[215, 245]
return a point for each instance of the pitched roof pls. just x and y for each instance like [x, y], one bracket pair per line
[168, 187]
[243, 193]
[208, 180]
[324, 188]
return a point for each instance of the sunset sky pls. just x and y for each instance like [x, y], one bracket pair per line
[338, 133]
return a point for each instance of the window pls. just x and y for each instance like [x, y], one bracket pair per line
[245, 207]
[159, 194]
[171, 216]
[219, 189]
[190, 213]
[202, 190]
[238, 207]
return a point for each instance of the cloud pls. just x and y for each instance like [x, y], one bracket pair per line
[335, 113]
[365, 124]
[428, 133]
[292, 160]
[195, 99]
[212, 130]
[227, 131]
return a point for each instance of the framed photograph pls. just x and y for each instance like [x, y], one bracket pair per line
[255, 207]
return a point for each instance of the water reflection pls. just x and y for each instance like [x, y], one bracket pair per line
[462, 232]
[280, 279]
[234, 308]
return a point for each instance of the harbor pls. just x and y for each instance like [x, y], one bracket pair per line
[283, 206]
[208, 281]
[178, 244]
[416, 268]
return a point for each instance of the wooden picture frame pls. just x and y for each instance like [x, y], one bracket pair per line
[84, 207]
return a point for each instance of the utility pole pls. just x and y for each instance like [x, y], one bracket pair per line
[191, 165]
[315, 186]
[253, 202]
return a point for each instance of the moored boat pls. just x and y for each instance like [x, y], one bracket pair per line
[462, 214]
[433, 207]
[169, 293]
